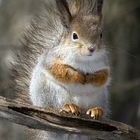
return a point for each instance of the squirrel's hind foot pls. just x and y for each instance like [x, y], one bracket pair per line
[70, 108]
[95, 113]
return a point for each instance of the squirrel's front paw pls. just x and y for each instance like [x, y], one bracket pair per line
[70, 108]
[99, 78]
[75, 76]
[95, 113]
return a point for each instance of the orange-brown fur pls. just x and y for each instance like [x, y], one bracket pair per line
[98, 78]
[67, 74]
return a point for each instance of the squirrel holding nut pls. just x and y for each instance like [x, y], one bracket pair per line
[63, 64]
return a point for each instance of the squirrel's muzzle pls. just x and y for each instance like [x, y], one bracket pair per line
[92, 48]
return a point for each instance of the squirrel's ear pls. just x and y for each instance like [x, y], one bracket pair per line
[97, 10]
[64, 11]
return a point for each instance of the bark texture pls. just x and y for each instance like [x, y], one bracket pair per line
[47, 120]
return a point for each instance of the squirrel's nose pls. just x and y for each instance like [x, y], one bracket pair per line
[91, 49]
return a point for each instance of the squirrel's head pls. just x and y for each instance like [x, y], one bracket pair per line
[82, 22]
[85, 35]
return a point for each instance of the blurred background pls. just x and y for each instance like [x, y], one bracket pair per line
[121, 34]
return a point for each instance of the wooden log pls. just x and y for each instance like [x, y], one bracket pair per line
[40, 119]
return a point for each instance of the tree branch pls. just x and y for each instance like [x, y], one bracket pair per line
[37, 118]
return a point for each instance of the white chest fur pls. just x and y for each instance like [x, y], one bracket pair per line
[45, 91]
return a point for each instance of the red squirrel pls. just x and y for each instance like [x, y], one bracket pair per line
[65, 61]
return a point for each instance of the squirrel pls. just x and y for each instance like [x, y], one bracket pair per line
[63, 64]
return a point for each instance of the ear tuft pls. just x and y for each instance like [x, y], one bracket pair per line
[64, 11]
[98, 7]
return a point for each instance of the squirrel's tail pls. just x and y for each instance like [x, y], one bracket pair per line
[45, 32]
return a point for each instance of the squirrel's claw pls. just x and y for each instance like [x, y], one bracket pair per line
[70, 108]
[95, 113]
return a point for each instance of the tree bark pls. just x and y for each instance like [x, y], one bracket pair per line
[37, 118]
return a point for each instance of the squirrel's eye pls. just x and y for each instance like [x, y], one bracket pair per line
[101, 35]
[75, 36]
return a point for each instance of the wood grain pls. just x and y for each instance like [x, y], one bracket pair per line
[37, 118]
